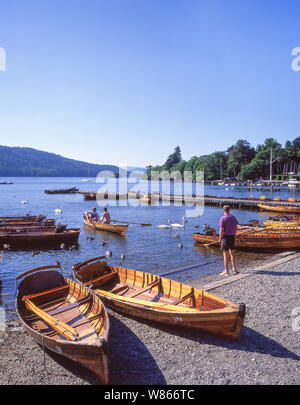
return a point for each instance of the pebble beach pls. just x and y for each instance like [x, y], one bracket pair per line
[266, 353]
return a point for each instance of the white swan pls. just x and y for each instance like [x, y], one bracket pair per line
[24, 202]
[179, 225]
[165, 226]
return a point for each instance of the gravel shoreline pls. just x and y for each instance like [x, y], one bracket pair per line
[267, 352]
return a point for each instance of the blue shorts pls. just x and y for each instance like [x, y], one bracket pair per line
[227, 242]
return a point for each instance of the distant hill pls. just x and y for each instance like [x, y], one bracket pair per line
[28, 162]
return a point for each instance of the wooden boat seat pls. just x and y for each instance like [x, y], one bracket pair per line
[148, 287]
[92, 271]
[102, 279]
[180, 300]
[45, 292]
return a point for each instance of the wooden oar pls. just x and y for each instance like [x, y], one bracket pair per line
[133, 223]
[62, 328]
[156, 305]
[237, 235]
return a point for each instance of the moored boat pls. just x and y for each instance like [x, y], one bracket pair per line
[256, 240]
[112, 227]
[90, 196]
[42, 238]
[71, 190]
[13, 228]
[151, 297]
[25, 218]
[279, 208]
[45, 223]
[146, 198]
[64, 317]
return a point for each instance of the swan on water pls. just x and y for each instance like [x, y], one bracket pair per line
[179, 225]
[165, 226]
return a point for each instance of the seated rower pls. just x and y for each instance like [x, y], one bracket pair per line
[105, 219]
[93, 216]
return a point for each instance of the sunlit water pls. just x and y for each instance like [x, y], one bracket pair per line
[146, 248]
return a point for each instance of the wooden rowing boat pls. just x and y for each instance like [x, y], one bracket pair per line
[39, 238]
[64, 317]
[277, 227]
[13, 228]
[112, 227]
[90, 196]
[46, 223]
[256, 240]
[71, 190]
[151, 297]
[283, 220]
[279, 208]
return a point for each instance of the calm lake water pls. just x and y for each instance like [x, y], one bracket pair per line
[146, 248]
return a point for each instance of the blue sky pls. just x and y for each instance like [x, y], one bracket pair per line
[125, 81]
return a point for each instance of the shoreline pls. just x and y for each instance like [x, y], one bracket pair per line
[267, 351]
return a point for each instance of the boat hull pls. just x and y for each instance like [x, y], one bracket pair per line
[90, 350]
[292, 210]
[112, 227]
[201, 311]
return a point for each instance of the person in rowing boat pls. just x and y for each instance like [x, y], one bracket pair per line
[228, 226]
[105, 219]
[93, 216]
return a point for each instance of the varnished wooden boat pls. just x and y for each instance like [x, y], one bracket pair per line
[71, 190]
[90, 196]
[26, 218]
[271, 227]
[146, 199]
[283, 220]
[112, 227]
[42, 238]
[45, 223]
[279, 208]
[65, 317]
[256, 240]
[151, 297]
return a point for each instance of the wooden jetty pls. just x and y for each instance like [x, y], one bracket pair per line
[216, 201]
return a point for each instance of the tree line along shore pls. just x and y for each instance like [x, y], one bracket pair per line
[241, 161]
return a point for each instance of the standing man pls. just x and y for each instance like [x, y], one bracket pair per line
[228, 226]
